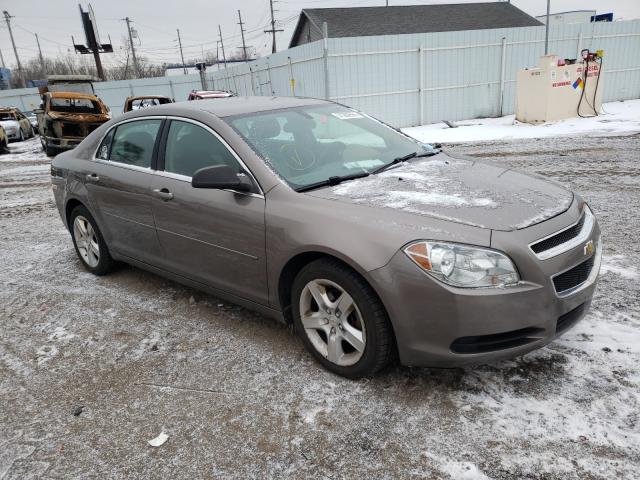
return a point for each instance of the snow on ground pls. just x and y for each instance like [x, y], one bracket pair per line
[618, 118]
[91, 368]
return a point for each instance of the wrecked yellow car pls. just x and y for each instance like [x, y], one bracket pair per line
[66, 118]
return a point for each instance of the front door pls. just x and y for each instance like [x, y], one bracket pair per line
[119, 186]
[212, 236]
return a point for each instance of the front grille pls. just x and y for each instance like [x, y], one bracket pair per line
[573, 277]
[567, 320]
[560, 238]
[496, 341]
[73, 130]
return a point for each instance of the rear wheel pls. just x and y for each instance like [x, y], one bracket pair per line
[341, 320]
[88, 242]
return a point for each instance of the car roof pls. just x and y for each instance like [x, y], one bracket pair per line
[230, 106]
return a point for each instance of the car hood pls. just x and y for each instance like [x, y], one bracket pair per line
[10, 123]
[459, 190]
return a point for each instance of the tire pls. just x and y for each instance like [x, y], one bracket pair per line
[329, 333]
[21, 139]
[50, 151]
[90, 245]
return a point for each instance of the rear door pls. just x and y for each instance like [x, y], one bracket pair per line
[216, 237]
[119, 186]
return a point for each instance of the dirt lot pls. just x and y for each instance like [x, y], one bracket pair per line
[92, 368]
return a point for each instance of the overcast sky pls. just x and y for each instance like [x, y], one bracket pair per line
[156, 22]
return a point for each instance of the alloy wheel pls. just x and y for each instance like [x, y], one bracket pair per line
[332, 322]
[86, 241]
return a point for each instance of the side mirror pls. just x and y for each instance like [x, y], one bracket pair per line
[220, 177]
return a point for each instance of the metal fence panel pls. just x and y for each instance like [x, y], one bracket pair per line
[405, 80]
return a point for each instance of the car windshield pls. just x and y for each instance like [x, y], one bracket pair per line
[308, 145]
[7, 116]
[74, 105]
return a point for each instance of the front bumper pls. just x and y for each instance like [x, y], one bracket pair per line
[62, 143]
[441, 326]
[13, 135]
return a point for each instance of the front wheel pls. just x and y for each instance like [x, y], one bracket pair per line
[341, 320]
[50, 151]
[21, 135]
[88, 242]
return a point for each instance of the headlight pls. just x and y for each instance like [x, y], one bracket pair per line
[11, 129]
[462, 265]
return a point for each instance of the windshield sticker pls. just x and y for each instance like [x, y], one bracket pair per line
[346, 115]
[364, 164]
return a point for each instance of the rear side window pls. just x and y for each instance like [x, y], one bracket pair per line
[132, 143]
[105, 147]
[191, 147]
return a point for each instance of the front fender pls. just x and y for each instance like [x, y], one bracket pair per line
[365, 238]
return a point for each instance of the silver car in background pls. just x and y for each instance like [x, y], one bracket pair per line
[374, 246]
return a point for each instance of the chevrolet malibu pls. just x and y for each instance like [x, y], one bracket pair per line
[372, 245]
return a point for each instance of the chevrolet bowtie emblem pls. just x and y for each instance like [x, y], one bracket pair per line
[589, 248]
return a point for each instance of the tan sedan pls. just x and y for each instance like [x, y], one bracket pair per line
[369, 243]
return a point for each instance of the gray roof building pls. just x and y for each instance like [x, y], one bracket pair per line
[367, 21]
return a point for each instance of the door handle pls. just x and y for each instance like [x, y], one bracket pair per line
[92, 177]
[163, 193]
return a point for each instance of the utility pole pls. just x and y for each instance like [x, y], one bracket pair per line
[224, 58]
[244, 46]
[7, 17]
[133, 50]
[546, 30]
[39, 50]
[184, 68]
[2, 59]
[273, 30]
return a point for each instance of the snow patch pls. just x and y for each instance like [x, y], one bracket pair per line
[457, 470]
[615, 264]
[620, 118]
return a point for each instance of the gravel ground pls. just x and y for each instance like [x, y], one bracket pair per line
[92, 368]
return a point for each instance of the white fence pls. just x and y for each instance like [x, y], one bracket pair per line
[410, 79]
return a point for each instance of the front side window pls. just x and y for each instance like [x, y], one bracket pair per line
[306, 145]
[191, 147]
[132, 143]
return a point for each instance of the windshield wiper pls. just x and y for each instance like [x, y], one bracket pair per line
[331, 181]
[398, 160]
